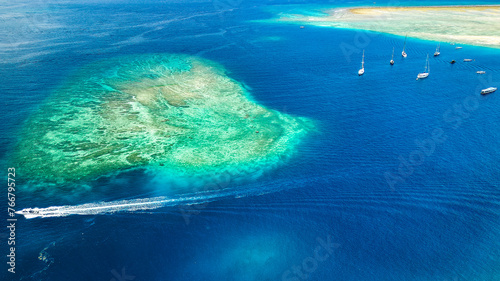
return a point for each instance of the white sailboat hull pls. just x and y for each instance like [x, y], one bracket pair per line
[361, 71]
[422, 75]
[488, 91]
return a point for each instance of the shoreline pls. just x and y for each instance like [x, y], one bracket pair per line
[475, 25]
[406, 8]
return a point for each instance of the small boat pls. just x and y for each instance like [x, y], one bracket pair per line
[362, 70]
[301, 26]
[488, 90]
[481, 72]
[437, 52]
[427, 69]
[403, 53]
[467, 60]
[453, 61]
[458, 48]
[392, 59]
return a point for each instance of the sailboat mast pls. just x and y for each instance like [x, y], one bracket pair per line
[362, 70]
[363, 60]
[427, 64]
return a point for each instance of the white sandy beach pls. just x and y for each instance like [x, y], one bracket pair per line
[474, 25]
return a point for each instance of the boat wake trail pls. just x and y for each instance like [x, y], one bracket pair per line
[117, 206]
[131, 205]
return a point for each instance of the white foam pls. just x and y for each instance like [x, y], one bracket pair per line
[114, 206]
[131, 205]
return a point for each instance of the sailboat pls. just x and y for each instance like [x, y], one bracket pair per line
[403, 53]
[427, 69]
[362, 70]
[437, 53]
[392, 59]
[488, 91]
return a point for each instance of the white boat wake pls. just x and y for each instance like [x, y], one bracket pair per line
[115, 206]
[131, 205]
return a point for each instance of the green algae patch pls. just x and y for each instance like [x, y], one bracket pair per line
[162, 111]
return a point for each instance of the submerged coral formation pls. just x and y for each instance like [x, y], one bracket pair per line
[162, 110]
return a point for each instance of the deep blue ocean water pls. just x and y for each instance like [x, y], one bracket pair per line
[438, 220]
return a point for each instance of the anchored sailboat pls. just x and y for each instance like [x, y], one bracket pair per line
[437, 53]
[488, 90]
[403, 53]
[427, 69]
[392, 59]
[362, 70]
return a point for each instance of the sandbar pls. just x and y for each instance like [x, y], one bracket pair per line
[472, 25]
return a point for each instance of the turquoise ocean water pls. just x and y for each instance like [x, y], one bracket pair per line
[329, 212]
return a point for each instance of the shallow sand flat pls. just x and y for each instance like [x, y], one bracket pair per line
[474, 25]
[464, 8]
